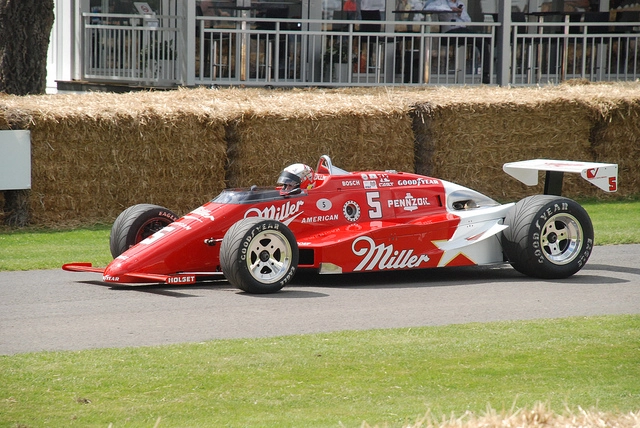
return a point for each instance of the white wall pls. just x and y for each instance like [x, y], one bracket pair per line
[59, 57]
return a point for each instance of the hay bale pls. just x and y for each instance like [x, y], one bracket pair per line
[359, 132]
[94, 155]
[466, 136]
[473, 144]
[617, 140]
[106, 166]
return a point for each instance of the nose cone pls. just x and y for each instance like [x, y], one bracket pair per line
[121, 268]
[179, 247]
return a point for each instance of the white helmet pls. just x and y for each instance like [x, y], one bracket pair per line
[296, 177]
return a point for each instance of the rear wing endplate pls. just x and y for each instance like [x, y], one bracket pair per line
[601, 175]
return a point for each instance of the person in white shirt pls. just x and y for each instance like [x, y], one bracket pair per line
[457, 19]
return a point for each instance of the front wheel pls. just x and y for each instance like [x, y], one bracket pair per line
[259, 255]
[137, 223]
[548, 237]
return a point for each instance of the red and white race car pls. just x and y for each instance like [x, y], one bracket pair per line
[356, 222]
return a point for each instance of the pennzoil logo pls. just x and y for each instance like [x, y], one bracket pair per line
[408, 203]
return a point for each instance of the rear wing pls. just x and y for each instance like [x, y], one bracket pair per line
[601, 175]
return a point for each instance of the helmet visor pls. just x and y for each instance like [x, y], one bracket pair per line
[290, 183]
[289, 179]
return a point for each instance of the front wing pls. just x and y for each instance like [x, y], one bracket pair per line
[182, 278]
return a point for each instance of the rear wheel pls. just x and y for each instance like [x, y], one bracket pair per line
[259, 255]
[548, 237]
[137, 223]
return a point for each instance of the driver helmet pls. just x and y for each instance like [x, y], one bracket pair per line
[295, 178]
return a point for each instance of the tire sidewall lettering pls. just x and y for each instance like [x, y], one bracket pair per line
[127, 228]
[535, 242]
[531, 229]
[535, 245]
[541, 219]
[263, 226]
[237, 251]
[586, 253]
[168, 215]
[288, 277]
[245, 245]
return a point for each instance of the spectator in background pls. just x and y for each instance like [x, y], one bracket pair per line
[351, 8]
[456, 25]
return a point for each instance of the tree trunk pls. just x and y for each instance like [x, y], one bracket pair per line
[16, 208]
[25, 27]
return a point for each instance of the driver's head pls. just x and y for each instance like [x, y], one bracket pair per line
[295, 178]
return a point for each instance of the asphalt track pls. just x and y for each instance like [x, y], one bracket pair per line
[56, 310]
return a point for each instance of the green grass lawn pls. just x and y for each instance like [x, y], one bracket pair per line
[381, 377]
[30, 249]
[384, 377]
[615, 222]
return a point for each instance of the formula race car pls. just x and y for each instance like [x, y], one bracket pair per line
[336, 222]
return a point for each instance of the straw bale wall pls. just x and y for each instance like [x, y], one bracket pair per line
[92, 158]
[470, 145]
[466, 136]
[95, 154]
[96, 168]
[358, 131]
[617, 137]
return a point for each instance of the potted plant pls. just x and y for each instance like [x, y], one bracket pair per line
[336, 58]
[158, 58]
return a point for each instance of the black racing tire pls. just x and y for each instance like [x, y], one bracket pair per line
[137, 223]
[259, 255]
[548, 237]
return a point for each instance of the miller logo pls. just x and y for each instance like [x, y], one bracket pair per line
[284, 213]
[383, 256]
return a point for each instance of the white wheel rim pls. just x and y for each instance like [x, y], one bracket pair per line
[269, 257]
[561, 239]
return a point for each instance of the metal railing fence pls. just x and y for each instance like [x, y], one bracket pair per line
[554, 52]
[255, 51]
[132, 49]
[336, 53]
